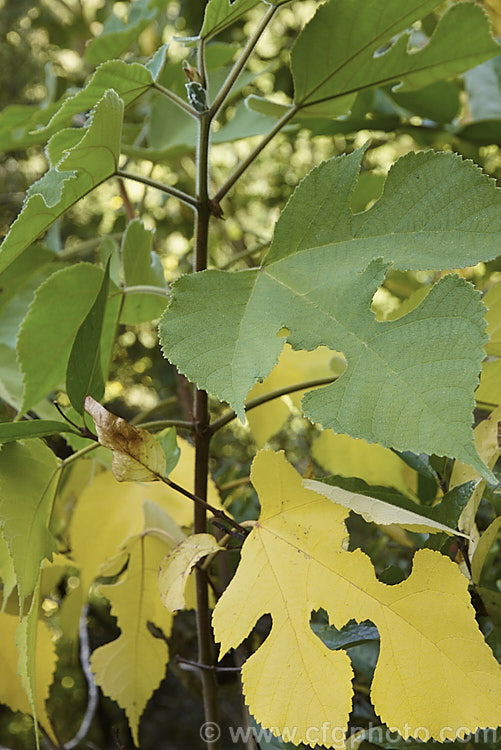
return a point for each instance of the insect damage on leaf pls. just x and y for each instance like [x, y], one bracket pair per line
[294, 562]
[137, 456]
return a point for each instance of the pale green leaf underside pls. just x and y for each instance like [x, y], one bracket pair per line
[219, 14]
[409, 383]
[141, 266]
[129, 81]
[117, 36]
[340, 50]
[85, 166]
[26, 498]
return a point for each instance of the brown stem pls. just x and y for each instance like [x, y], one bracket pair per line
[202, 503]
[206, 647]
[259, 400]
[289, 114]
[129, 208]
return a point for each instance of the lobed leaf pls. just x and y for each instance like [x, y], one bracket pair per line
[293, 679]
[423, 366]
[86, 164]
[349, 47]
[131, 667]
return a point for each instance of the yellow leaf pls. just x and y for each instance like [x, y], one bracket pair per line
[109, 512]
[131, 667]
[493, 8]
[106, 515]
[378, 511]
[293, 563]
[177, 565]
[12, 691]
[482, 549]
[179, 507]
[292, 367]
[489, 390]
[352, 457]
[486, 443]
[493, 317]
[137, 456]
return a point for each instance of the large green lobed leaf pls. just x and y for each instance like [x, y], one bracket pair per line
[352, 45]
[409, 383]
[91, 158]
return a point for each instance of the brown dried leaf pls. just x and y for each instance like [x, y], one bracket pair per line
[137, 456]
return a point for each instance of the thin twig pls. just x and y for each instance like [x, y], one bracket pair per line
[143, 415]
[250, 158]
[129, 208]
[161, 424]
[92, 701]
[216, 512]
[197, 665]
[82, 247]
[234, 483]
[184, 197]
[248, 253]
[241, 62]
[146, 289]
[176, 99]
[259, 400]
[78, 454]
[201, 63]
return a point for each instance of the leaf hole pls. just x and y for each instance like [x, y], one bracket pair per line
[360, 640]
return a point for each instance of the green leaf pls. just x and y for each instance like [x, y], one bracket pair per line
[141, 267]
[168, 440]
[352, 634]
[399, 510]
[33, 428]
[28, 482]
[46, 336]
[117, 36]
[446, 512]
[348, 47]
[129, 81]
[219, 14]
[85, 166]
[439, 101]
[22, 126]
[424, 365]
[84, 375]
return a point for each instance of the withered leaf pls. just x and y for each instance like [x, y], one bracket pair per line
[137, 456]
